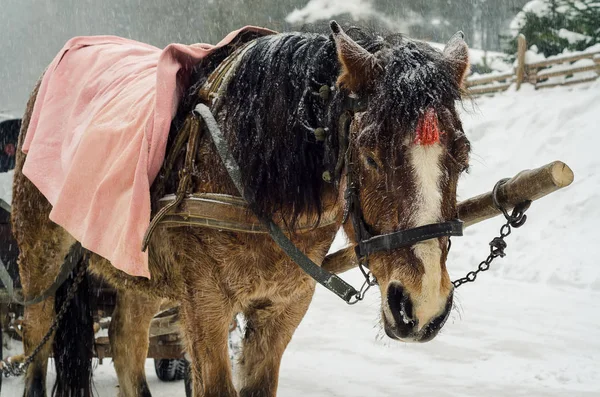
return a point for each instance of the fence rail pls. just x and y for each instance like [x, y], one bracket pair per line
[542, 74]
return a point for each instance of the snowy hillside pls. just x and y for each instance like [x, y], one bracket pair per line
[528, 327]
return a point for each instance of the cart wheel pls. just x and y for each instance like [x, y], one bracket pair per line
[182, 369]
[169, 370]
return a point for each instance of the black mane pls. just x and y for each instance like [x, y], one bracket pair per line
[273, 106]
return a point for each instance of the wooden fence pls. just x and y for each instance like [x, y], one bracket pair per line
[576, 68]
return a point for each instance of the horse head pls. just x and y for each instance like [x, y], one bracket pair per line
[406, 150]
[367, 122]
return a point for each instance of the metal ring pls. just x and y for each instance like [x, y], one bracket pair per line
[357, 298]
[495, 198]
[364, 265]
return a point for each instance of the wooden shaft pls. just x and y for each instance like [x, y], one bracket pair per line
[164, 325]
[340, 261]
[526, 185]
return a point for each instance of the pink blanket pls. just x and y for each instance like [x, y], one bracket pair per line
[98, 133]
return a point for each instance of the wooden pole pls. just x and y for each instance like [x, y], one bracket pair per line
[526, 185]
[521, 49]
[165, 325]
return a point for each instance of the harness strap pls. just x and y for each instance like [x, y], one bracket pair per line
[320, 275]
[225, 212]
[185, 177]
[181, 139]
[404, 238]
[213, 90]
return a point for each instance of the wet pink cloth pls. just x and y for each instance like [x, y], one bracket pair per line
[97, 137]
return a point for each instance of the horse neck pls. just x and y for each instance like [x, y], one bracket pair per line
[278, 142]
[269, 114]
[212, 177]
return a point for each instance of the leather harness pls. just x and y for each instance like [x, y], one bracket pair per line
[225, 212]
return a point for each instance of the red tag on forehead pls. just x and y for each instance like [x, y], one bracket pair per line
[428, 131]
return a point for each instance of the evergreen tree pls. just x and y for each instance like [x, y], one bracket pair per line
[583, 16]
[566, 24]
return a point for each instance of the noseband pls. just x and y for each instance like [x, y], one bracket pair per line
[408, 237]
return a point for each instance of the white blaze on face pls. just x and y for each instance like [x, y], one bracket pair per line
[427, 209]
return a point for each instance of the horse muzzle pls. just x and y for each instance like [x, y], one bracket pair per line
[400, 321]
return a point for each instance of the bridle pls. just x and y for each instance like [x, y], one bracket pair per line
[368, 241]
[211, 100]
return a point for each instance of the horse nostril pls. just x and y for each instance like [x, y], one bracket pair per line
[407, 314]
[400, 305]
[431, 329]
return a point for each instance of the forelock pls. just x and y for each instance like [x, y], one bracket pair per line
[417, 77]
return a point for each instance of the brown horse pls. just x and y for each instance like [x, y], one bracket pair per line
[403, 152]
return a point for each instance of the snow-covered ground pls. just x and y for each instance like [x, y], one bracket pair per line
[528, 327]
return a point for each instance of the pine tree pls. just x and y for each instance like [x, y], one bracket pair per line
[568, 24]
[584, 18]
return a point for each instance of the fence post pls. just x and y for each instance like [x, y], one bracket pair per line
[521, 49]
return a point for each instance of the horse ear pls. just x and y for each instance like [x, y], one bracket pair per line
[457, 52]
[359, 66]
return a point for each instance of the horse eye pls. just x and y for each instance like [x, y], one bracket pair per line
[371, 161]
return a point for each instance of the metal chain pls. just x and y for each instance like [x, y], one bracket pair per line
[8, 369]
[498, 245]
[370, 281]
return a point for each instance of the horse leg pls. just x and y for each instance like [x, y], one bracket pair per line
[128, 335]
[206, 316]
[43, 246]
[39, 265]
[269, 329]
[36, 322]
